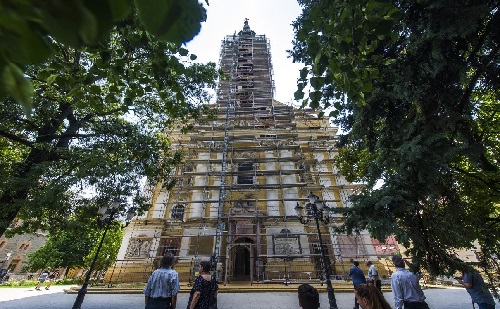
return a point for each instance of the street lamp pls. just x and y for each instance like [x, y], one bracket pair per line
[107, 215]
[314, 210]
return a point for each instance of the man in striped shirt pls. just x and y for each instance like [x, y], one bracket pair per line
[163, 285]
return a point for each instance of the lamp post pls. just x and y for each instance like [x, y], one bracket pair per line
[107, 215]
[314, 210]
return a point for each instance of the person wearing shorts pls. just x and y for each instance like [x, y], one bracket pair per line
[41, 279]
[52, 278]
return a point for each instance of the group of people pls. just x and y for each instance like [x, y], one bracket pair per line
[163, 286]
[46, 275]
[367, 295]
[406, 288]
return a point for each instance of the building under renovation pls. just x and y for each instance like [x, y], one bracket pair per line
[244, 173]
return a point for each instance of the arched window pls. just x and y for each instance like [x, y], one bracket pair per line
[245, 176]
[178, 212]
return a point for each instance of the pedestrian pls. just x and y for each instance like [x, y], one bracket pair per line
[405, 287]
[479, 293]
[370, 297]
[52, 278]
[373, 275]
[163, 285]
[204, 291]
[308, 297]
[41, 279]
[358, 277]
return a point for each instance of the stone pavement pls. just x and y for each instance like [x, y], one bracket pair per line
[55, 298]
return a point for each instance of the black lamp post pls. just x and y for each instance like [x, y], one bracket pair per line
[107, 214]
[314, 210]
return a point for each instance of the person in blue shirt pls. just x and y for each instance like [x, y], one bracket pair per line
[163, 285]
[474, 285]
[358, 277]
[405, 287]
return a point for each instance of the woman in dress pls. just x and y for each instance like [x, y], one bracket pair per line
[203, 285]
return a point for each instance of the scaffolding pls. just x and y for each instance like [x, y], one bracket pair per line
[244, 172]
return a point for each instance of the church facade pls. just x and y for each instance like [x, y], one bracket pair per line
[243, 174]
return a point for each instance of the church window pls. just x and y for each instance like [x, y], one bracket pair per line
[245, 176]
[178, 212]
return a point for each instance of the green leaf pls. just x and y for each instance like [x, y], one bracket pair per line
[176, 21]
[51, 79]
[193, 57]
[315, 97]
[183, 52]
[314, 104]
[120, 8]
[317, 82]
[298, 95]
[334, 113]
[303, 73]
[384, 28]
[367, 87]
[18, 86]
[89, 28]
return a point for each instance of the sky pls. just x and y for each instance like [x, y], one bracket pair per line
[272, 18]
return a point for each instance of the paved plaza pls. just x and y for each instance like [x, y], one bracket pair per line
[55, 298]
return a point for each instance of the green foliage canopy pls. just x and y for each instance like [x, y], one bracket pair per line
[27, 28]
[416, 87]
[97, 120]
[75, 247]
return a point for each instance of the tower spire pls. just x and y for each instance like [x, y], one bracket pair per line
[246, 29]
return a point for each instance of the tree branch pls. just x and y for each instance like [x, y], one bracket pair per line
[16, 138]
[489, 184]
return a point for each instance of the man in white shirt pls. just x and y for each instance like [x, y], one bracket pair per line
[373, 275]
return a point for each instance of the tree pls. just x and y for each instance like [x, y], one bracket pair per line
[28, 26]
[75, 247]
[416, 87]
[98, 117]
[67, 248]
[109, 250]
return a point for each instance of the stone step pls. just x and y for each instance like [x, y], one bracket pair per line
[240, 287]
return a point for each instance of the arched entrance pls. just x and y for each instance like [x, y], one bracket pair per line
[242, 259]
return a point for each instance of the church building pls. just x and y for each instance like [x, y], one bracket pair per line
[235, 195]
